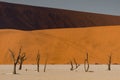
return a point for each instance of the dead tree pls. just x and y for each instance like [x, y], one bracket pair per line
[86, 63]
[21, 60]
[38, 61]
[72, 68]
[15, 59]
[46, 60]
[76, 65]
[109, 62]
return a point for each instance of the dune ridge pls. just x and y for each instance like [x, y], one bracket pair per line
[24, 17]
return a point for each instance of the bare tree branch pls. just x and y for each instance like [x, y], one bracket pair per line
[77, 65]
[22, 59]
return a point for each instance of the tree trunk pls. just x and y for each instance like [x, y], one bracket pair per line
[38, 61]
[71, 66]
[37, 67]
[109, 63]
[14, 71]
[86, 65]
[45, 67]
[45, 64]
[20, 67]
[109, 67]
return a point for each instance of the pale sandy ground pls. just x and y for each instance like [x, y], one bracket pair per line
[60, 72]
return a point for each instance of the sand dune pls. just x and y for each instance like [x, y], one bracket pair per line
[62, 45]
[23, 17]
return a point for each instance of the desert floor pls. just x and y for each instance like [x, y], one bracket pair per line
[60, 72]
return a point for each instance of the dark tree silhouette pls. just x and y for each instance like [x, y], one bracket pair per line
[38, 61]
[72, 68]
[76, 65]
[86, 63]
[21, 60]
[109, 62]
[15, 59]
[46, 60]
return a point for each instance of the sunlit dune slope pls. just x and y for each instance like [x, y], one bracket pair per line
[62, 45]
[24, 17]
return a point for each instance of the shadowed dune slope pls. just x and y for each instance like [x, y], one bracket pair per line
[23, 17]
[62, 45]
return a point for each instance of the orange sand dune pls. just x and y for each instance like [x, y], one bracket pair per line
[62, 45]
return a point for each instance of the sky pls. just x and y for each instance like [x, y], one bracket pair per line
[111, 7]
